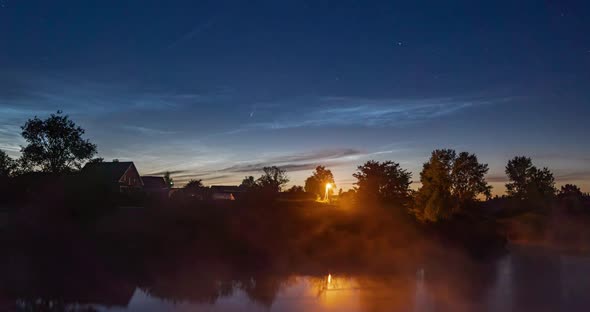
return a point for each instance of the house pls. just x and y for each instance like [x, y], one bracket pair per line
[225, 192]
[119, 176]
[155, 186]
[175, 191]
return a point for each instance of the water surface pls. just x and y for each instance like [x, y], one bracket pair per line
[526, 279]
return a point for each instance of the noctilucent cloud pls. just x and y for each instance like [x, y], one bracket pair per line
[216, 90]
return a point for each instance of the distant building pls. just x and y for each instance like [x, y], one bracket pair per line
[175, 191]
[155, 188]
[120, 176]
[225, 192]
[153, 184]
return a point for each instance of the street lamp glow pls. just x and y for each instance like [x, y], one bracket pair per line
[328, 187]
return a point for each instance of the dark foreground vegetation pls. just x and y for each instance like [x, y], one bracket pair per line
[215, 247]
[178, 254]
[59, 222]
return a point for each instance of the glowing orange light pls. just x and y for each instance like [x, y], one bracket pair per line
[328, 187]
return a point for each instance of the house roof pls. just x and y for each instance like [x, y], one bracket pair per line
[154, 182]
[111, 171]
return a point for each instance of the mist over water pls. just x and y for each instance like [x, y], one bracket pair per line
[285, 256]
[528, 279]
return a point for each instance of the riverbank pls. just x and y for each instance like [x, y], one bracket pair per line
[276, 235]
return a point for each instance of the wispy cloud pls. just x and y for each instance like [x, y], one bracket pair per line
[148, 131]
[219, 172]
[10, 131]
[562, 156]
[256, 167]
[101, 108]
[10, 139]
[560, 176]
[305, 161]
[569, 176]
[316, 155]
[215, 172]
[497, 178]
[193, 33]
[172, 172]
[77, 96]
[346, 111]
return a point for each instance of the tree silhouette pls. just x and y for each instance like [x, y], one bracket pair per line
[169, 181]
[519, 173]
[570, 190]
[7, 165]
[273, 179]
[248, 183]
[195, 188]
[434, 200]
[194, 184]
[449, 184]
[55, 144]
[96, 160]
[572, 198]
[316, 183]
[468, 178]
[297, 189]
[385, 181]
[527, 181]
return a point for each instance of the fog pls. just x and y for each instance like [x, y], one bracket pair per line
[233, 256]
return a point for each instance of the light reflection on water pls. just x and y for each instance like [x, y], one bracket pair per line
[529, 281]
[526, 279]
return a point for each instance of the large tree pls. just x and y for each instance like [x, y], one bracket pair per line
[55, 144]
[450, 182]
[7, 165]
[572, 198]
[273, 179]
[468, 178]
[195, 188]
[527, 181]
[316, 183]
[248, 183]
[385, 181]
[194, 184]
[570, 190]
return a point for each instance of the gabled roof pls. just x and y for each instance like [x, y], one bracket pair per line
[153, 182]
[111, 171]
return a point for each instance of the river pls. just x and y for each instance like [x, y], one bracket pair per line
[525, 279]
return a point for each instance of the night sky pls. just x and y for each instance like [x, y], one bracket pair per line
[218, 89]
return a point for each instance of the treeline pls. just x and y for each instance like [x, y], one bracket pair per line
[454, 183]
[270, 183]
[451, 183]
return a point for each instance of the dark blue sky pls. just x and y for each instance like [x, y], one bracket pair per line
[217, 89]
